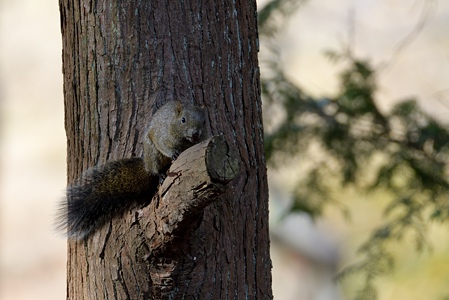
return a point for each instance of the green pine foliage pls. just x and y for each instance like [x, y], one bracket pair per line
[348, 141]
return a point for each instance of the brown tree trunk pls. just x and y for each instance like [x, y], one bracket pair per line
[122, 59]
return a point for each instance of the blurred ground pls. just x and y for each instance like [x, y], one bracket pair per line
[32, 148]
[32, 138]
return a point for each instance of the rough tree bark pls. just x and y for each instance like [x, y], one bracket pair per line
[121, 60]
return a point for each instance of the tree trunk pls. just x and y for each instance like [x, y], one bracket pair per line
[121, 60]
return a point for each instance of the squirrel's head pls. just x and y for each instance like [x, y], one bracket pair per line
[191, 121]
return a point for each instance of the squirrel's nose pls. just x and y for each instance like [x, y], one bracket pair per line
[195, 135]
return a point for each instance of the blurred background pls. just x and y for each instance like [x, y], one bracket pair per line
[306, 254]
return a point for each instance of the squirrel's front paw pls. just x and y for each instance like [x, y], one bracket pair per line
[175, 156]
[162, 177]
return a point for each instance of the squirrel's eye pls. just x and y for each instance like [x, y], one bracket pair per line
[183, 119]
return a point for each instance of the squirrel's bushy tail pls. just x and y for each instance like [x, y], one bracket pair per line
[102, 193]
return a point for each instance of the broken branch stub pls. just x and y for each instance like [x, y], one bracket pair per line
[195, 179]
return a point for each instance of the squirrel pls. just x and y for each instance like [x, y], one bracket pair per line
[109, 190]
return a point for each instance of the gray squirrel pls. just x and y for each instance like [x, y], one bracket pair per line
[109, 190]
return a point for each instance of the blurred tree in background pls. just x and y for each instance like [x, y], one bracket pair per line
[348, 141]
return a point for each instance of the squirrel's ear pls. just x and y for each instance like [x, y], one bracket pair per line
[178, 108]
